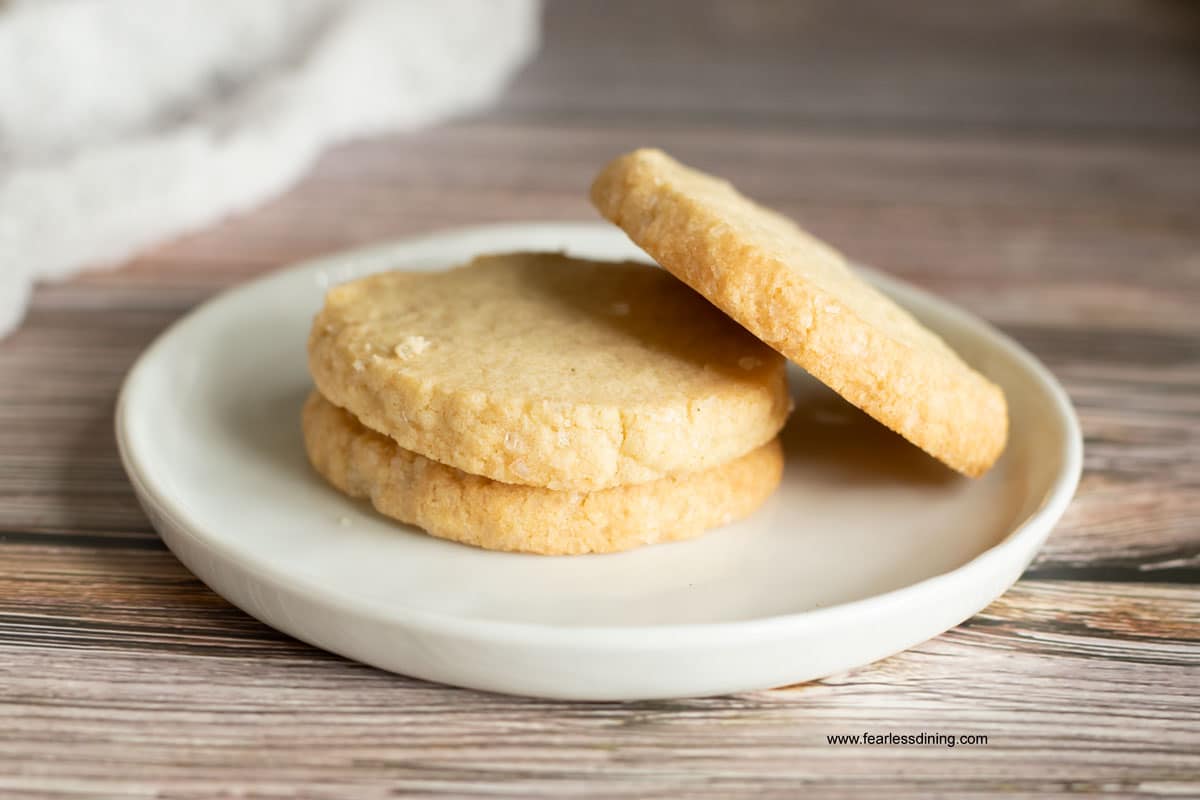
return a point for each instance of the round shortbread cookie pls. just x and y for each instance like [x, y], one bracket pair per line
[542, 370]
[451, 504]
[801, 297]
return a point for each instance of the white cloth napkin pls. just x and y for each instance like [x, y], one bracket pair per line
[125, 122]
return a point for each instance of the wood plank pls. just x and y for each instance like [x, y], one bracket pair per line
[1089, 689]
[1115, 67]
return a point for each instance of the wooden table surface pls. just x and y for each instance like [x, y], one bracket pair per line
[1036, 162]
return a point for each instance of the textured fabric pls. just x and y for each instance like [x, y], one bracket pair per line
[125, 122]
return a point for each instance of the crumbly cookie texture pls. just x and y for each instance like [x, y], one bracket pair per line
[543, 370]
[799, 295]
[452, 504]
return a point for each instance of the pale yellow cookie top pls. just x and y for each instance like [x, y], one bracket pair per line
[544, 370]
[452, 504]
[801, 297]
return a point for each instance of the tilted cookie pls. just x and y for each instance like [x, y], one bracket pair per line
[543, 370]
[799, 296]
[451, 504]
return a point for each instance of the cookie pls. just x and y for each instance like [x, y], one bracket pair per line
[454, 505]
[801, 297]
[543, 370]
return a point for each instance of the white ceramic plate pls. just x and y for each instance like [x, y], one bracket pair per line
[868, 548]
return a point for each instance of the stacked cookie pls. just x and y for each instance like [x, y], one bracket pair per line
[538, 403]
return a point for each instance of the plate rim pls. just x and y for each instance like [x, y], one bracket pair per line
[1029, 535]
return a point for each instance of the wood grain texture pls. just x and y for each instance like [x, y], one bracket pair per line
[1036, 162]
[1046, 674]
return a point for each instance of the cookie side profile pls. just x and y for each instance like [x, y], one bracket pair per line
[470, 509]
[543, 370]
[801, 297]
